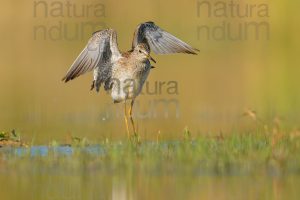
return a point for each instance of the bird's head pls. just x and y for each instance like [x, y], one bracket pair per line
[143, 52]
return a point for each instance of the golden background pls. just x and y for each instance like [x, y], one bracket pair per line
[214, 87]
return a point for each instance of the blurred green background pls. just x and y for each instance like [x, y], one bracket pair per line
[214, 88]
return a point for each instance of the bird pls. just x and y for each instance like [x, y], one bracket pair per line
[123, 74]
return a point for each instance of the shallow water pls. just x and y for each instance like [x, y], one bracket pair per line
[170, 170]
[129, 184]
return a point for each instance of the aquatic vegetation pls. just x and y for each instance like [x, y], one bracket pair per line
[265, 161]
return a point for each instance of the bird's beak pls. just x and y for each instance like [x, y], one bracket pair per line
[149, 57]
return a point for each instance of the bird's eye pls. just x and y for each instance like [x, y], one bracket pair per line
[140, 51]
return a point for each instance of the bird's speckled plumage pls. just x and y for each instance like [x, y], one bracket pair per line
[102, 55]
[124, 73]
[129, 74]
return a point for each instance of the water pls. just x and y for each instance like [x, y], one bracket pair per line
[169, 170]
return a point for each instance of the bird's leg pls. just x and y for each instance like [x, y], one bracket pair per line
[130, 116]
[126, 121]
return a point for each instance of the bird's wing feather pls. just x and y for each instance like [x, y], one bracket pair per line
[99, 51]
[160, 41]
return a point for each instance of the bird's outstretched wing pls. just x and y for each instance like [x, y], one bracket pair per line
[100, 51]
[159, 41]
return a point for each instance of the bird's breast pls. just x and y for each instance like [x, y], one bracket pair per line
[128, 79]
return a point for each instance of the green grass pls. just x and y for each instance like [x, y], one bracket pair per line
[236, 154]
[263, 164]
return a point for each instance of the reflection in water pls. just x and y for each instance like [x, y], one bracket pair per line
[119, 190]
[142, 185]
[173, 170]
